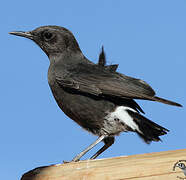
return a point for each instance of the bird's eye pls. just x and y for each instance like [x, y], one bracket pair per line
[181, 165]
[47, 35]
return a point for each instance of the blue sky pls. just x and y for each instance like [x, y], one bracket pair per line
[147, 39]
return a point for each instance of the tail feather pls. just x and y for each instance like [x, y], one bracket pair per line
[165, 101]
[149, 131]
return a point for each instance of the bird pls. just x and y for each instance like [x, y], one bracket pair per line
[182, 167]
[94, 95]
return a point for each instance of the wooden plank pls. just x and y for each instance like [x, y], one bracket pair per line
[151, 166]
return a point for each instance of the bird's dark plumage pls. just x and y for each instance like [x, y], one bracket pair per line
[102, 62]
[102, 58]
[95, 96]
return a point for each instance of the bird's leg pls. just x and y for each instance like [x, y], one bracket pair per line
[88, 148]
[108, 142]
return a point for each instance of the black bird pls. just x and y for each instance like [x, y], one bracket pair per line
[95, 96]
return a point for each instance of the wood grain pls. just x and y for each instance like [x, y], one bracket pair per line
[151, 166]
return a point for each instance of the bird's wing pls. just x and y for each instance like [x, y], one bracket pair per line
[92, 79]
[102, 62]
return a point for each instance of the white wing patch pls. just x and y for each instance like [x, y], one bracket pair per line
[121, 114]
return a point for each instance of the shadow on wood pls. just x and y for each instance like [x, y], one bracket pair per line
[151, 166]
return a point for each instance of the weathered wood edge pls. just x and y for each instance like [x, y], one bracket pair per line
[143, 166]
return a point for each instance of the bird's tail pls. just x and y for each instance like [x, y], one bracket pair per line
[165, 101]
[147, 130]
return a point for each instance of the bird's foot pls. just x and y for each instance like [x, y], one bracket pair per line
[65, 162]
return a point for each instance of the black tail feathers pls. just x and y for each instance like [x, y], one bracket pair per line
[148, 130]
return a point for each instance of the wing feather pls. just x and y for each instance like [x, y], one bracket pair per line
[92, 79]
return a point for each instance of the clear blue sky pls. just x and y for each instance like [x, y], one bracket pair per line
[147, 39]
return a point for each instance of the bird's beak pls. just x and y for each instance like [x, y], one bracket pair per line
[22, 34]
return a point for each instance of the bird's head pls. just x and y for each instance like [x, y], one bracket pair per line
[51, 39]
[181, 165]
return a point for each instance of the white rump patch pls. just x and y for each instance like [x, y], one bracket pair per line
[121, 114]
